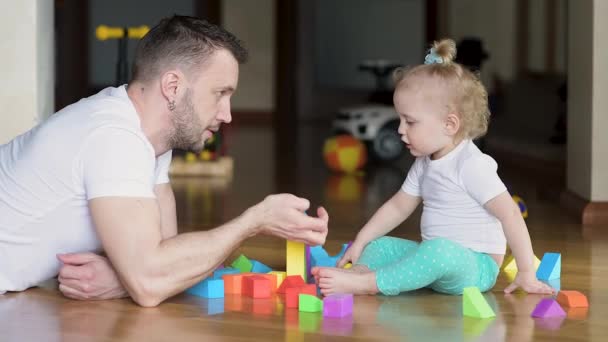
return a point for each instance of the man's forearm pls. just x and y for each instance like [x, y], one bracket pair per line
[182, 261]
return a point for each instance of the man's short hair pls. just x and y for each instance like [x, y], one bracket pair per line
[182, 42]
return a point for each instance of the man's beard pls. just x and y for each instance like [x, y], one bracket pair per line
[187, 133]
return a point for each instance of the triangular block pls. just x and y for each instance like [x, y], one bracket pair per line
[242, 263]
[227, 270]
[572, 299]
[309, 303]
[291, 281]
[292, 294]
[258, 267]
[475, 305]
[548, 307]
[550, 267]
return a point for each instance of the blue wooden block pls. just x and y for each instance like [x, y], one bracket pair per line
[555, 283]
[258, 267]
[228, 270]
[319, 256]
[215, 306]
[208, 288]
[550, 267]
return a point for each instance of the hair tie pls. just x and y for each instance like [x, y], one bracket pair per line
[433, 58]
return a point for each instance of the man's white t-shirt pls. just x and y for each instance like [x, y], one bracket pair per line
[454, 189]
[93, 148]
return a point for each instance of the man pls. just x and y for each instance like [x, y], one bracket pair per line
[94, 176]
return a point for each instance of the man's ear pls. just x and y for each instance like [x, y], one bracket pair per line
[171, 83]
[452, 124]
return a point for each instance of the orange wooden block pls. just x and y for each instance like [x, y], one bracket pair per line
[291, 281]
[292, 294]
[572, 299]
[233, 283]
[256, 287]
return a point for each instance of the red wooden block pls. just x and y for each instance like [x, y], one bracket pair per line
[292, 294]
[256, 287]
[271, 277]
[291, 281]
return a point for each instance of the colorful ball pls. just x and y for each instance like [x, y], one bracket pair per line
[522, 206]
[344, 153]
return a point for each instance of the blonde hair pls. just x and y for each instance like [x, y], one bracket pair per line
[469, 98]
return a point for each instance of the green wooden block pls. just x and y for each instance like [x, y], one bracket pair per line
[242, 263]
[308, 303]
[475, 305]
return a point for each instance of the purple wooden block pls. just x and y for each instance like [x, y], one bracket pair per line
[309, 278]
[548, 307]
[339, 305]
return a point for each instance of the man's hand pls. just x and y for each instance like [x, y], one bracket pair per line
[283, 215]
[88, 276]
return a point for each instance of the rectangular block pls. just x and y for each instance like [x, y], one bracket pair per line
[296, 259]
[208, 288]
[256, 287]
[280, 277]
[337, 306]
[233, 283]
[271, 278]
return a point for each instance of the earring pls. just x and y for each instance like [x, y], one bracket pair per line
[171, 105]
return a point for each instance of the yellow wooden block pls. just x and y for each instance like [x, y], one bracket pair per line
[296, 259]
[347, 266]
[511, 266]
[280, 277]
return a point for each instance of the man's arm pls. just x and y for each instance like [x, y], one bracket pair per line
[153, 269]
[87, 276]
[166, 205]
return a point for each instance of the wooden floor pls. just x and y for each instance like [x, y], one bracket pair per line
[42, 314]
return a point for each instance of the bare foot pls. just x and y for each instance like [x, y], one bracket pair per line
[355, 269]
[335, 280]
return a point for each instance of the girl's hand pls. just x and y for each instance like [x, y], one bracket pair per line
[352, 254]
[527, 281]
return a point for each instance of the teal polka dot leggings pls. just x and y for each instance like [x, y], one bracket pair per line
[440, 264]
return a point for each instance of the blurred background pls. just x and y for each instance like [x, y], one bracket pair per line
[314, 63]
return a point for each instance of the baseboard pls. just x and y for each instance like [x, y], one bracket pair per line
[586, 212]
[252, 117]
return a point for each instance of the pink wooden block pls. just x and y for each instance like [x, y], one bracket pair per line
[339, 305]
[548, 307]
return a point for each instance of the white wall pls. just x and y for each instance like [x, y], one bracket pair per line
[587, 100]
[346, 32]
[254, 23]
[494, 22]
[27, 85]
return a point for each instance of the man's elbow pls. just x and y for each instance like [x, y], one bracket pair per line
[145, 293]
